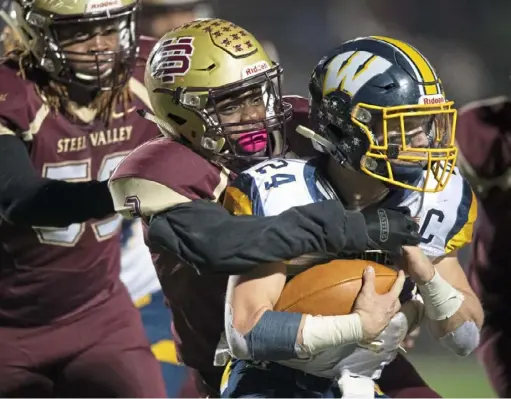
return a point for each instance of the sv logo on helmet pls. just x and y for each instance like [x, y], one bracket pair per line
[173, 58]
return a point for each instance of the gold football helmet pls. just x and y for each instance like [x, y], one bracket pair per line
[213, 83]
[89, 42]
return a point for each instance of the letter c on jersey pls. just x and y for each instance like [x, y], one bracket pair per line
[439, 216]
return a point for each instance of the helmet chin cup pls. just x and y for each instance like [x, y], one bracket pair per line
[213, 145]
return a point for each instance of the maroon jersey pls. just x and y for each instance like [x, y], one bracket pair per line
[46, 274]
[157, 176]
[484, 140]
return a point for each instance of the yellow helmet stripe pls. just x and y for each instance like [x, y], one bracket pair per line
[426, 72]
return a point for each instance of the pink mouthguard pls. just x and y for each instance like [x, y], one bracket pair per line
[253, 141]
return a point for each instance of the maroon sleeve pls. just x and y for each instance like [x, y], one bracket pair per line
[483, 137]
[161, 174]
[298, 144]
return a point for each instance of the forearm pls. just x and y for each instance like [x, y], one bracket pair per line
[451, 308]
[53, 203]
[454, 318]
[256, 330]
[448, 307]
[206, 236]
[282, 336]
[28, 199]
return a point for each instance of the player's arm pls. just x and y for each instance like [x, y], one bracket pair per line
[179, 202]
[28, 199]
[451, 271]
[217, 241]
[255, 331]
[207, 236]
[452, 309]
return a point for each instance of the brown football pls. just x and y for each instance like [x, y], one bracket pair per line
[330, 289]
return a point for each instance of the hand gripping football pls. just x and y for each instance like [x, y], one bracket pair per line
[330, 289]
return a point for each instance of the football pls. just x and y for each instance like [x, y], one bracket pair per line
[330, 289]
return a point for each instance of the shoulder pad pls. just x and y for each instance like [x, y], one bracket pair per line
[274, 186]
[242, 196]
[19, 103]
[163, 173]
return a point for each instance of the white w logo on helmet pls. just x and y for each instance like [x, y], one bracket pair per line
[349, 71]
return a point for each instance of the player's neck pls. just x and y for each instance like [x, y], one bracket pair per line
[356, 189]
[81, 96]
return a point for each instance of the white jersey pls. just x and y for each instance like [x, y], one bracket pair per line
[137, 271]
[445, 218]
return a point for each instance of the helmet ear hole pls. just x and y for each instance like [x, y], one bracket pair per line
[177, 119]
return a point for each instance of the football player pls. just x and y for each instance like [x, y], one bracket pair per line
[157, 17]
[215, 91]
[70, 86]
[138, 275]
[483, 133]
[387, 131]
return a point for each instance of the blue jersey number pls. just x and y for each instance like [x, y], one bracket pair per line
[278, 179]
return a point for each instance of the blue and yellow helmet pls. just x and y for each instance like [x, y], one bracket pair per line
[382, 108]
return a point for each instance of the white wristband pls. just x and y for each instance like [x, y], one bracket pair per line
[325, 332]
[441, 299]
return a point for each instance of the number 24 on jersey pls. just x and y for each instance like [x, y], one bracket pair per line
[277, 179]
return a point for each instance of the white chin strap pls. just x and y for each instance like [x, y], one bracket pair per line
[90, 78]
[319, 143]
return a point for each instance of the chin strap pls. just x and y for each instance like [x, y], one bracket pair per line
[165, 127]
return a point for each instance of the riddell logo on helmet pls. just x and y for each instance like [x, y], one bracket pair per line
[102, 5]
[254, 69]
[432, 99]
